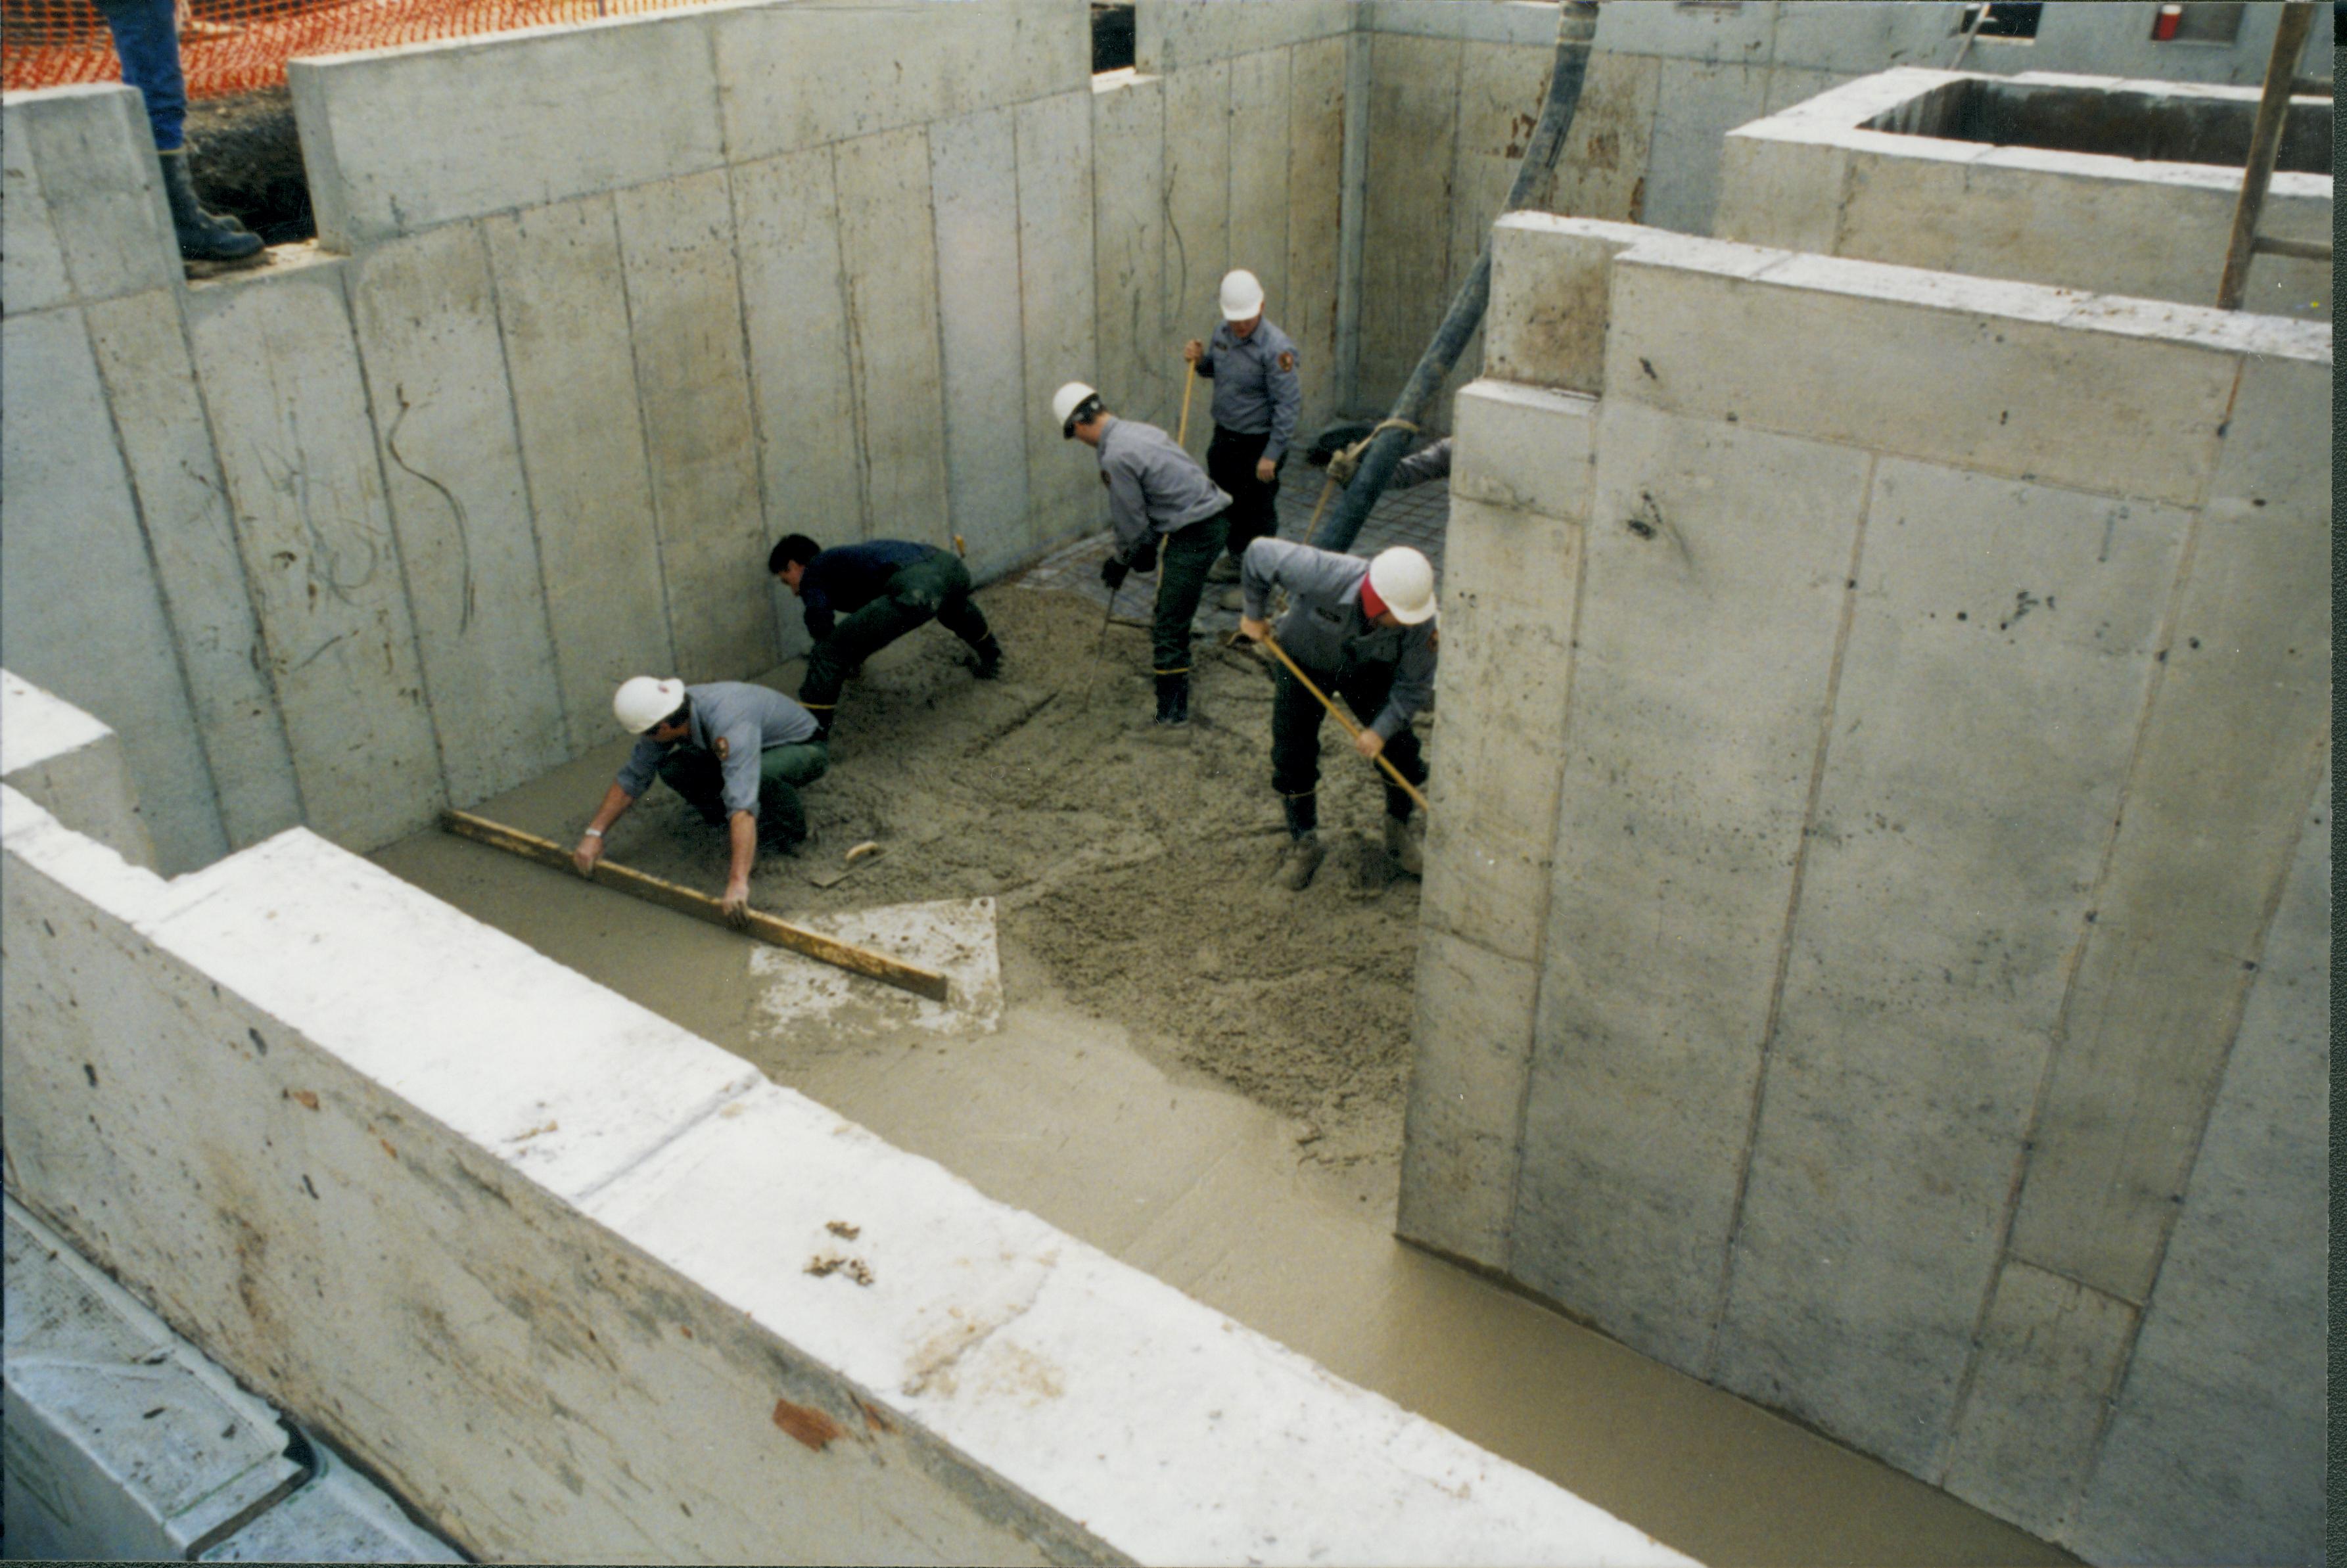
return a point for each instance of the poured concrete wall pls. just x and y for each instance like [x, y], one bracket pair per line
[1817, 178]
[1876, 912]
[539, 1259]
[1453, 87]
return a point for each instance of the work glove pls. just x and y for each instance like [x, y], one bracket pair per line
[1144, 560]
[1344, 465]
[1113, 572]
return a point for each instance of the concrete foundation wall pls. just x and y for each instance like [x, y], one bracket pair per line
[1876, 904]
[539, 1260]
[1815, 178]
[1454, 88]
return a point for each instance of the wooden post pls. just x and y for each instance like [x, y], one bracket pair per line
[2291, 29]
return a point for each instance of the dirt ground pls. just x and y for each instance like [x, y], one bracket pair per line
[1139, 873]
[247, 160]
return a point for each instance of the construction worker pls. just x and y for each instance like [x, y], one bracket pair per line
[882, 588]
[1256, 395]
[737, 751]
[1429, 463]
[1158, 498]
[147, 41]
[1363, 631]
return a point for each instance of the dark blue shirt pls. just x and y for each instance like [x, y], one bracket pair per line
[844, 579]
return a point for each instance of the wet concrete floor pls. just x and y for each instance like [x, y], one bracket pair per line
[1069, 1116]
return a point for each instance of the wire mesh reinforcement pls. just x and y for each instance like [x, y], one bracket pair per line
[229, 47]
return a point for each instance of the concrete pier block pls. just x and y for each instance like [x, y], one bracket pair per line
[2051, 1354]
[166, 440]
[990, 422]
[562, 311]
[1523, 449]
[72, 767]
[1316, 186]
[76, 575]
[1056, 304]
[1138, 374]
[684, 319]
[1260, 126]
[32, 264]
[1460, 1146]
[2006, 367]
[391, 137]
[1602, 172]
[95, 156]
[1697, 103]
[1552, 288]
[794, 312]
[1197, 225]
[1413, 128]
[427, 330]
[1681, 803]
[2004, 634]
[2225, 1395]
[280, 374]
[887, 247]
[2237, 734]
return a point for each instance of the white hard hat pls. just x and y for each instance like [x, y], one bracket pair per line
[1066, 401]
[1242, 295]
[1402, 577]
[641, 702]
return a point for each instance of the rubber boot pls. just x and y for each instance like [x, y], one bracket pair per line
[204, 237]
[1304, 852]
[1402, 849]
[989, 658]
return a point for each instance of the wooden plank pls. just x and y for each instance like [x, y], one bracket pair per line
[891, 971]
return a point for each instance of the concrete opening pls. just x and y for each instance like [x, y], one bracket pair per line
[2116, 122]
[247, 160]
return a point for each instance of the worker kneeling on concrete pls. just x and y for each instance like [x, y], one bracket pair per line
[1158, 498]
[880, 590]
[1363, 632]
[737, 751]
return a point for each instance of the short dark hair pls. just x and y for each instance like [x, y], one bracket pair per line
[683, 715]
[792, 548]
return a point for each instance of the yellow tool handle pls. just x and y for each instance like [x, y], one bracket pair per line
[1351, 728]
[1182, 435]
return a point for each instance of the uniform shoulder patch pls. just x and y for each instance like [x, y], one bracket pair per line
[1287, 359]
[722, 748]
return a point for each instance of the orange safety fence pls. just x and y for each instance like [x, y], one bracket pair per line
[238, 46]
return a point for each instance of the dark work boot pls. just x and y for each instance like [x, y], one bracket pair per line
[990, 657]
[1173, 701]
[1402, 848]
[1305, 851]
[204, 237]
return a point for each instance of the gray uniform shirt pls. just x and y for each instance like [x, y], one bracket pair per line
[748, 719]
[1433, 463]
[1325, 630]
[1152, 485]
[1256, 387]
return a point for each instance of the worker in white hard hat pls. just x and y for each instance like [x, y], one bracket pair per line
[1256, 398]
[737, 753]
[1159, 499]
[1364, 631]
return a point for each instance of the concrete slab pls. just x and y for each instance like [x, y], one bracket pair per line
[1261, 121]
[122, 1442]
[1602, 170]
[71, 766]
[562, 313]
[166, 443]
[973, 170]
[1523, 449]
[1056, 306]
[2226, 1375]
[390, 136]
[1685, 784]
[75, 574]
[1461, 1148]
[796, 76]
[1510, 22]
[336, 1516]
[2230, 749]
[1500, 90]
[1852, 40]
[1945, 1004]
[1183, 35]
[808, 1003]
[1138, 374]
[1197, 225]
[280, 374]
[1315, 168]
[95, 155]
[888, 250]
[684, 319]
[32, 263]
[1697, 101]
[1551, 286]
[1712, 34]
[2276, 461]
[1414, 127]
[426, 318]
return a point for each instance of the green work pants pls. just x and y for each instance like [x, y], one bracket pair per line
[936, 587]
[1184, 556]
[782, 817]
